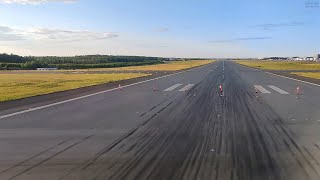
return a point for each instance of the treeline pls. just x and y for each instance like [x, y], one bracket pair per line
[12, 58]
[15, 62]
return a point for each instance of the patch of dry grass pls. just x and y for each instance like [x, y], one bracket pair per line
[19, 85]
[171, 66]
[280, 65]
[315, 75]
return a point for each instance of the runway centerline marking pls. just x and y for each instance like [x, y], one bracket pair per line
[94, 94]
[278, 89]
[262, 89]
[172, 87]
[187, 87]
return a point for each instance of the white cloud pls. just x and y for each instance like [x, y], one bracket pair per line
[9, 34]
[162, 29]
[70, 35]
[240, 39]
[34, 1]
[272, 26]
[60, 35]
[41, 41]
[5, 29]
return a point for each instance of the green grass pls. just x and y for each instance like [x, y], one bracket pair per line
[280, 65]
[22, 85]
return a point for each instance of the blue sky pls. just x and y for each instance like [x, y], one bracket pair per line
[180, 28]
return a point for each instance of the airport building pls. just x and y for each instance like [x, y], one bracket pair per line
[310, 58]
[47, 69]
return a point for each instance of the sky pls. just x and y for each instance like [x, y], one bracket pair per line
[166, 28]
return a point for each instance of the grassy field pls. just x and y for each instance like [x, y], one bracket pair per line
[315, 75]
[17, 86]
[171, 66]
[281, 65]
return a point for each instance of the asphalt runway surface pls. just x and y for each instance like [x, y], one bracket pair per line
[176, 127]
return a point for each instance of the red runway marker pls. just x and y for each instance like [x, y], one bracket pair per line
[221, 90]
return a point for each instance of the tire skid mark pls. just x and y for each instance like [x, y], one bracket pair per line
[317, 146]
[206, 136]
[155, 106]
[300, 151]
[108, 148]
[296, 158]
[50, 157]
[101, 170]
[311, 156]
[125, 168]
[36, 155]
[105, 150]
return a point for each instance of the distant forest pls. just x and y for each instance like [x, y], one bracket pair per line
[15, 62]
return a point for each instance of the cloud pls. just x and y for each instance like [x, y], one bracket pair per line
[61, 35]
[5, 29]
[34, 1]
[70, 35]
[278, 25]
[9, 34]
[10, 37]
[151, 45]
[162, 29]
[240, 39]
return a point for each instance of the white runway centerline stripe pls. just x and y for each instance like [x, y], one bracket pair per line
[173, 87]
[278, 89]
[262, 89]
[187, 87]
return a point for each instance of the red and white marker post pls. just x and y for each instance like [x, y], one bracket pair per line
[221, 90]
[298, 91]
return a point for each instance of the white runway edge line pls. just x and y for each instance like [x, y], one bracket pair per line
[89, 95]
[281, 76]
[262, 89]
[187, 87]
[278, 89]
[293, 79]
[172, 87]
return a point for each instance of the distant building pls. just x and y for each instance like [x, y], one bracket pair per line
[275, 58]
[296, 58]
[47, 69]
[310, 58]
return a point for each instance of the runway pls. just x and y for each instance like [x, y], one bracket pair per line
[176, 127]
